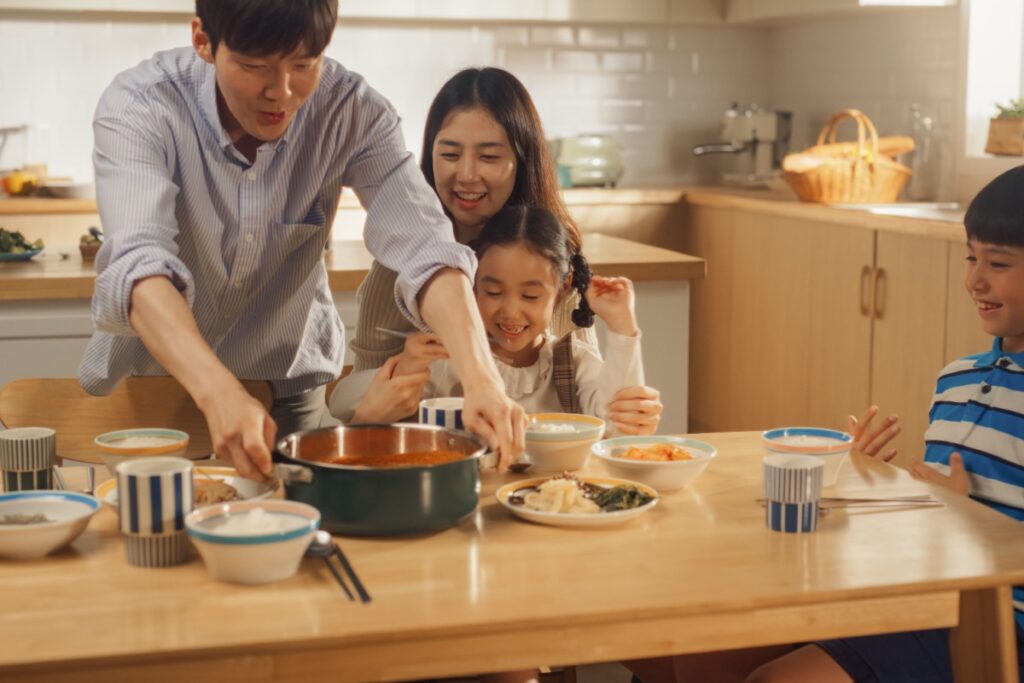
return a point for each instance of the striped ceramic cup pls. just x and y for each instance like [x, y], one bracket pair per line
[792, 490]
[442, 412]
[27, 457]
[153, 496]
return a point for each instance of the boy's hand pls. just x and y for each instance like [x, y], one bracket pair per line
[421, 349]
[636, 410]
[873, 441]
[956, 481]
[391, 398]
[612, 300]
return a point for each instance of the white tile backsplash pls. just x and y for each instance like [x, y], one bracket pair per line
[659, 90]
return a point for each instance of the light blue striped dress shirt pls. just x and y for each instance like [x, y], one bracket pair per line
[244, 241]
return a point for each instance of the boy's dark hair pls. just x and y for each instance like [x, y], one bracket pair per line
[996, 214]
[267, 27]
[506, 99]
[540, 232]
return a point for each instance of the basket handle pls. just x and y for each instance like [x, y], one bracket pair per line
[864, 126]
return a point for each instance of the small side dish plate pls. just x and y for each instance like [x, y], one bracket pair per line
[247, 488]
[574, 519]
[22, 256]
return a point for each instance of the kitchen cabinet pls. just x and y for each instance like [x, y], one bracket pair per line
[802, 323]
[738, 11]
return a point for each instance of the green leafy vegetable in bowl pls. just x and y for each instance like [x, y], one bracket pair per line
[15, 243]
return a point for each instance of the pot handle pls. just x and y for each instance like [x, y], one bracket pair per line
[293, 474]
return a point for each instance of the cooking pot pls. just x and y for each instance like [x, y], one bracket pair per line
[358, 500]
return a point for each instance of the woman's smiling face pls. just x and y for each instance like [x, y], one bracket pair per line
[474, 169]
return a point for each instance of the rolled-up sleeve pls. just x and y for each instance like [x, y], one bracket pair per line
[406, 228]
[136, 197]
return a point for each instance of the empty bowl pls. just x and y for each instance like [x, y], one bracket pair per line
[828, 445]
[37, 523]
[127, 444]
[253, 541]
[663, 475]
[557, 442]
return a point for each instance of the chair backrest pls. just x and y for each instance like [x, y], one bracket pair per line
[79, 417]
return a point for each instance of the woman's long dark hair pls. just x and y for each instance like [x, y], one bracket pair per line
[541, 232]
[508, 102]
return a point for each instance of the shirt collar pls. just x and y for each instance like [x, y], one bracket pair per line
[993, 356]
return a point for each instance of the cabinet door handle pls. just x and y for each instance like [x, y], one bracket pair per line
[878, 300]
[865, 304]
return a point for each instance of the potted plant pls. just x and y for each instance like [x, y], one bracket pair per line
[1006, 131]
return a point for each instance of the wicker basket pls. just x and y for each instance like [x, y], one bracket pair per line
[858, 175]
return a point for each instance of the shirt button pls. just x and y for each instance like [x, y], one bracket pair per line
[238, 285]
[985, 388]
[251, 175]
[249, 237]
[1003, 362]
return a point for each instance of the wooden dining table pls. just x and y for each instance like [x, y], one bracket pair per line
[698, 572]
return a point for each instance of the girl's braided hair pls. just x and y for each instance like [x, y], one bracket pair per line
[544, 235]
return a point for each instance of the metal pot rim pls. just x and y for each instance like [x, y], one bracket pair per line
[475, 455]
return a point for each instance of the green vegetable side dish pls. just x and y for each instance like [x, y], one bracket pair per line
[15, 243]
[1013, 110]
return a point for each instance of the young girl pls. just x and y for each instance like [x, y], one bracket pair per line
[526, 266]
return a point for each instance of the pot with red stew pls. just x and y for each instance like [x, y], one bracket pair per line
[384, 480]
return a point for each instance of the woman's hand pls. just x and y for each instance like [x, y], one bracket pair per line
[501, 422]
[612, 300]
[421, 349]
[636, 410]
[872, 441]
[956, 481]
[391, 398]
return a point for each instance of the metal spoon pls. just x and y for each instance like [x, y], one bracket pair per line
[521, 465]
[322, 546]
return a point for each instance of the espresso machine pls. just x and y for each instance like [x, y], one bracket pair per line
[758, 136]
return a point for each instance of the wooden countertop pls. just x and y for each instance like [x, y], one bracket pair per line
[49, 277]
[698, 572]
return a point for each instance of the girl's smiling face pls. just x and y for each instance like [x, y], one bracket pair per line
[474, 169]
[995, 281]
[516, 291]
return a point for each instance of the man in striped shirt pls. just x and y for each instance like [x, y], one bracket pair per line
[218, 173]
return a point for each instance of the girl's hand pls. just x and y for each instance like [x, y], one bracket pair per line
[636, 410]
[612, 300]
[956, 481]
[873, 441]
[421, 349]
[391, 398]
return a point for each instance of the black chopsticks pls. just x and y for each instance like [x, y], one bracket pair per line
[353, 577]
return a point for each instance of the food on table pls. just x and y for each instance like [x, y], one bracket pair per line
[13, 242]
[209, 491]
[143, 442]
[805, 440]
[567, 493]
[254, 523]
[24, 518]
[553, 427]
[410, 459]
[659, 452]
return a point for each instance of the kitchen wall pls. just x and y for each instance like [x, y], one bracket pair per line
[660, 91]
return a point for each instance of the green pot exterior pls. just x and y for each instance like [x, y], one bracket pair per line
[393, 501]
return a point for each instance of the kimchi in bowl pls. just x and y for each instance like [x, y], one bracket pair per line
[666, 463]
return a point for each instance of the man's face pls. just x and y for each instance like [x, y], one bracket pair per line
[260, 95]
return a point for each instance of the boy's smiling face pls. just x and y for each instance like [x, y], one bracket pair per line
[995, 281]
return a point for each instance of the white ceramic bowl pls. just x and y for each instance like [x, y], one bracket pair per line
[247, 488]
[128, 444]
[252, 557]
[558, 442]
[828, 445]
[69, 513]
[663, 476]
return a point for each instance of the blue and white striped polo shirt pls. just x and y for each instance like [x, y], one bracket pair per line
[978, 411]
[244, 241]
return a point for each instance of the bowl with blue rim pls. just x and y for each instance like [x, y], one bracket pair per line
[828, 445]
[34, 524]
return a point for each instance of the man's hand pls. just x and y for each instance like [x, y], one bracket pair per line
[497, 419]
[872, 441]
[636, 410]
[956, 481]
[241, 429]
[421, 349]
[390, 397]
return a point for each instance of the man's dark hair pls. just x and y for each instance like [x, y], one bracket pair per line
[996, 214]
[267, 27]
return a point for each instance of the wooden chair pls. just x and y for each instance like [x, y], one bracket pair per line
[79, 417]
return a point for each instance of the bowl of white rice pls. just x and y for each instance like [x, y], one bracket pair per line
[128, 444]
[558, 442]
